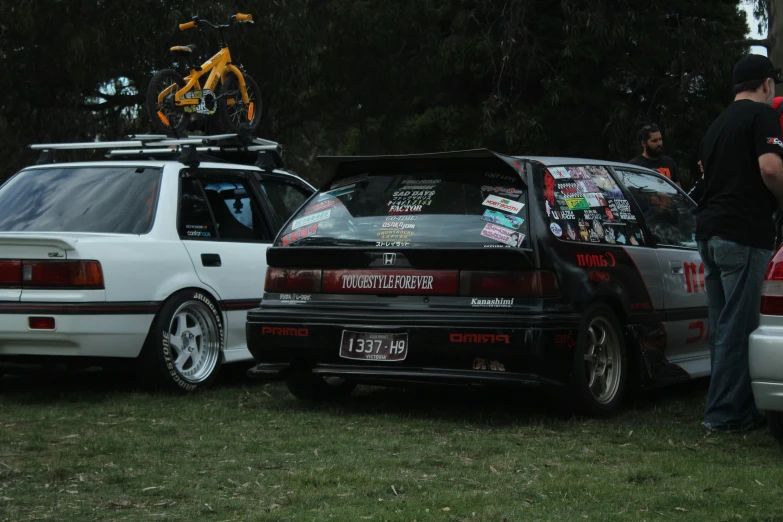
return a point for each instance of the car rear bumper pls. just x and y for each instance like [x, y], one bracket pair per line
[443, 347]
[766, 366]
[75, 335]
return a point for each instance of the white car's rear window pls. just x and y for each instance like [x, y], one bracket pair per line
[119, 200]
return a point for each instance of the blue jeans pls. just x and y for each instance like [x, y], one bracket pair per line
[734, 274]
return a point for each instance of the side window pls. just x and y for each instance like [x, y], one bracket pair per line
[585, 204]
[285, 198]
[195, 220]
[236, 213]
[668, 212]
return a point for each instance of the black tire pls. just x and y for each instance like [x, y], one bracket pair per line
[177, 118]
[232, 109]
[189, 322]
[775, 424]
[587, 394]
[305, 386]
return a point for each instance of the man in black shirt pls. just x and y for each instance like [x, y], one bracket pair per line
[742, 188]
[652, 157]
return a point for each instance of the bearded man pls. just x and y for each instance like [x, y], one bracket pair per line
[652, 157]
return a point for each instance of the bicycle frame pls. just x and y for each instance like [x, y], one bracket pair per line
[218, 65]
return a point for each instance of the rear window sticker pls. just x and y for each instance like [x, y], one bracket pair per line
[583, 231]
[505, 192]
[312, 218]
[420, 184]
[396, 231]
[338, 192]
[559, 173]
[495, 175]
[302, 233]
[609, 235]
[349, 181]
[549, 188]
[322, 205]
[578, 173]
[632, 240]
[548, 208]
[563, 214]
[621, 238]
[402, 218]
[587, 185]
[503, 235]
[577, 204]
[609, 214]
[569, 189]
[556, 230]
[391, 244]
[399, 225]
[598, 229]
[620, 205]
[503, 204]
[570, 232]
[501, 219]
[595, 200]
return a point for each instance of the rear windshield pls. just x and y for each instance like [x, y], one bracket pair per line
[463, 209]
[117, 200]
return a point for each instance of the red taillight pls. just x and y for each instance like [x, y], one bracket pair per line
[292, 280]
[772, 289]
[539, 283]
[10, 273]
[40, 323]
[62, 274]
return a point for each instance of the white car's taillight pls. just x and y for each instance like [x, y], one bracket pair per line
[772, 289]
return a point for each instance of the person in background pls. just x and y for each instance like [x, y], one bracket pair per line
[652, 156]
[735, 233]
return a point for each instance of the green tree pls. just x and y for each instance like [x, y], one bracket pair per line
[366, 76]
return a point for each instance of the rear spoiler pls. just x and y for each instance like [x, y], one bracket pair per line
[27, 239]
[338, 167]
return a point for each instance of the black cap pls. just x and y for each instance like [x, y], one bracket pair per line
[755, 67]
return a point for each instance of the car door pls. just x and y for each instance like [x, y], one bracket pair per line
[226, 233]
[670, 217]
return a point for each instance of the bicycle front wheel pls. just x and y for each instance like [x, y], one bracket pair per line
[236, 115]
[165, 116]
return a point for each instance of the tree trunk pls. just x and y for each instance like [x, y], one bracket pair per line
[775, 36]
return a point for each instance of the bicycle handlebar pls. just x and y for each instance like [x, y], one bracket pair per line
[239, 17]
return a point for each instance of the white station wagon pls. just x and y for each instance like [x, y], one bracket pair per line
[151, 257]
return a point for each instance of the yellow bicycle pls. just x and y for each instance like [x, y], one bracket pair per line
[172, 98]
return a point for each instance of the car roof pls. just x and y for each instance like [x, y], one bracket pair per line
[558, 160]
[160, 164]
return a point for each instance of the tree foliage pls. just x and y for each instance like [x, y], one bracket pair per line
[540, 77]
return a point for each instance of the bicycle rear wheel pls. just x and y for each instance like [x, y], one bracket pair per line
[165, 116]
[235, 115]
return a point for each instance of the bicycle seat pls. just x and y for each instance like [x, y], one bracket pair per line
[183, 48]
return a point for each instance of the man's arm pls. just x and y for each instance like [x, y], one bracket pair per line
[769, 147]
[771, 167]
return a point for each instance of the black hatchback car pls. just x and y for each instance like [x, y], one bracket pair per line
[474, 267]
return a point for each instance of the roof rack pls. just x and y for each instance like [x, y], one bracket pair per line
[234, 148]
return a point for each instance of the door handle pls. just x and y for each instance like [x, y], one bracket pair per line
[676, 268]
[211, 260]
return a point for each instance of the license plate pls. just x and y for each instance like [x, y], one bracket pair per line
[374, 346]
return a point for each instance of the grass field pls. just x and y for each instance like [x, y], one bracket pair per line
[81, 448]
